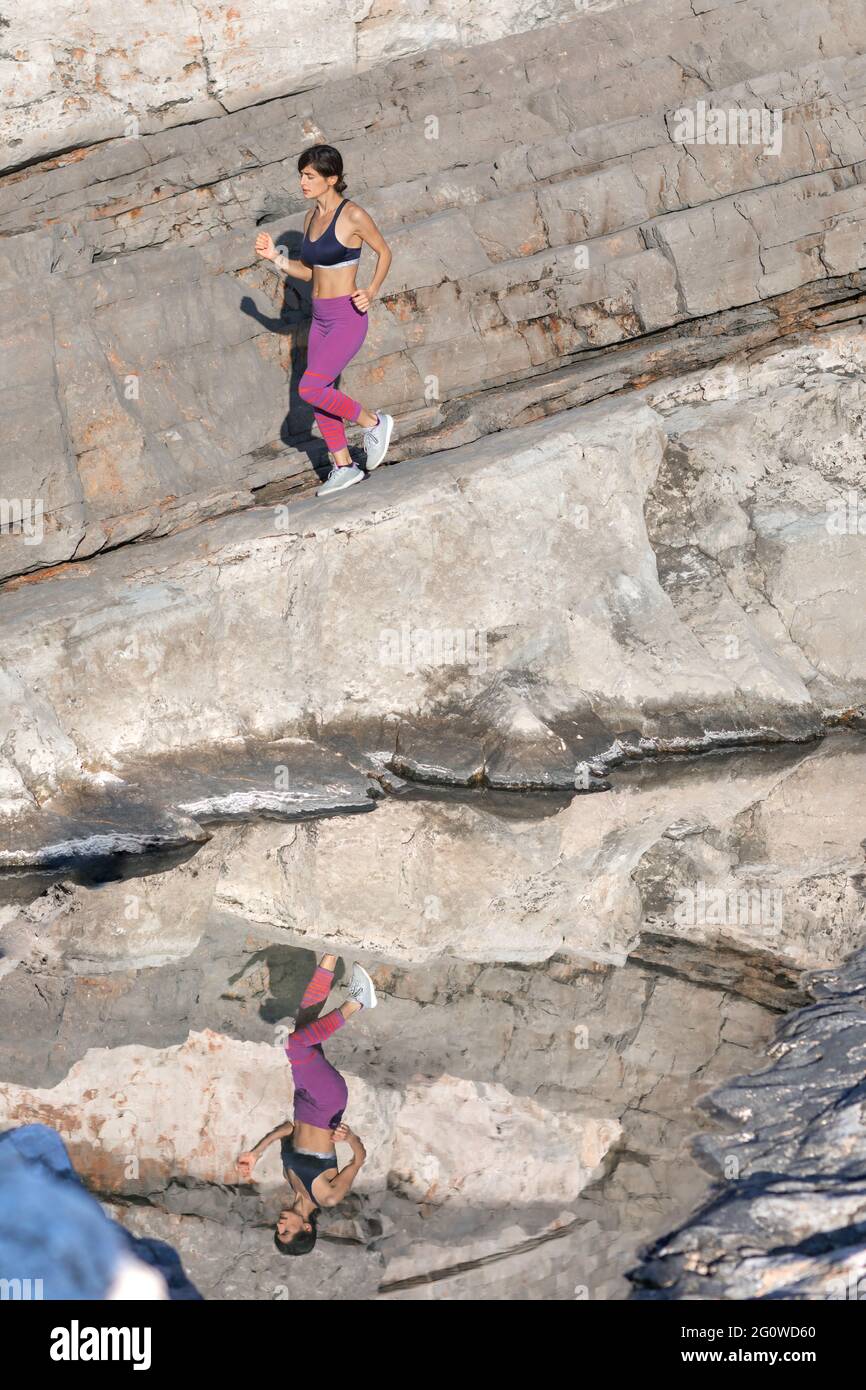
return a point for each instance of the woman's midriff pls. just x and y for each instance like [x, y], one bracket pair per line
[314, 1138]
[329, 283]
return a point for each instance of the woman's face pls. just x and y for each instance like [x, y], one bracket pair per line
[313, 184]
[290, 1223]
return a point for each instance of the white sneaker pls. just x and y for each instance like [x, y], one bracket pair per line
[361, 987]
[377, 439]
[339, 478]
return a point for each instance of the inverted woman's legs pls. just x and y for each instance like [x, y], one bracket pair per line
[336, 334]
[320, 1090]
[317, 992]
[318, 988]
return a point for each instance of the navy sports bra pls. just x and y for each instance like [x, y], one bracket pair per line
[326, 249]
[307, 1167]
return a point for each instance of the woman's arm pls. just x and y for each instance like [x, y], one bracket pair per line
[341, 1184]
[267, 250]
[298, 269]
[247, 1161]
[362, 223]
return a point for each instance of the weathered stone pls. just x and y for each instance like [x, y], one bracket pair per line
[786, 1221]
[544, 594]
[489, 281]
[703, 657]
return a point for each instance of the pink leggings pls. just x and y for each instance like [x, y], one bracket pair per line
[320, 1091]
[336, 333]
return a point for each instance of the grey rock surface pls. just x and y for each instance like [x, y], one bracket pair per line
[529, 1086]
[621, 553]
[785, 1220]
[81, 76]
[542, 212]
[686, 597]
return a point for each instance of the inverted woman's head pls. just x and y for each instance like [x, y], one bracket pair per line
[296, 1233]
[321, 167]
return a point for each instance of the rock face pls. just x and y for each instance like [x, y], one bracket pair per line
[540, 203]
[559, 985]
[423, 1133]
[621, 553]
[684, 549]
[713, 854]
[786, 1222]
[593, 880]
[105, 78]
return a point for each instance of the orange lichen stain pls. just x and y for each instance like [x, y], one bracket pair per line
[384, 975]
[264, 347]
[95, 431]
[102, 984]
[193, 41]
[57, 162]
[31, 1112]
[119, 207]
[103, 1170]
[49, 573]
[99, 473]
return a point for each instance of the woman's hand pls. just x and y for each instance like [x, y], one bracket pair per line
[246, 1164]
[362, 299]
[265, 246]
[344, 1135]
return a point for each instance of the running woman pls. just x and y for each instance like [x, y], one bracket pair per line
[307, 1143]
[340, 321]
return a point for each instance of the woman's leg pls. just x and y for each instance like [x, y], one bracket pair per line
[333, 342]
[316, 993]
[319, 987]
[320, 1090]
[313, 1034]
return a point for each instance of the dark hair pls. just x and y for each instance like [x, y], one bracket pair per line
[302, 1243]
[326, 161]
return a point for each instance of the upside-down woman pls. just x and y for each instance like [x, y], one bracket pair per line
[307, 1143]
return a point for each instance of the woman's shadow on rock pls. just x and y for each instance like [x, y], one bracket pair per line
[296, 431]
[289, 971]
